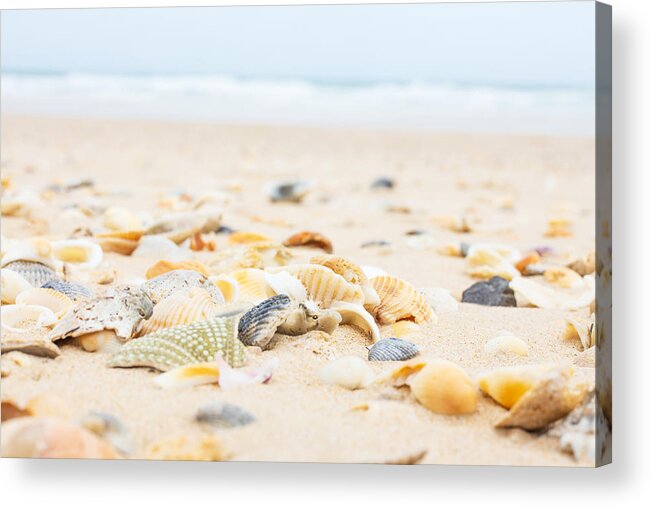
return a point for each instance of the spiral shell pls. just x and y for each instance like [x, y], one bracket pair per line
[392, 349]
[13, 283]
[399, 300]
[183, 307]
[49, 298]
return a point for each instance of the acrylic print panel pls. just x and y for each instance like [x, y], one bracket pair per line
[343, 234]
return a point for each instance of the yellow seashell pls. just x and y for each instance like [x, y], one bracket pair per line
[350, 272]
[559, 228]
[13, 283]
[244, 238]
[227, 285]
[563, 277]
[82, 252]
[118, 218]
[506, 341]
[487, 261]
[164, 266]
[252, 285]
[182, 307]
[399, 300]
[507, 385]
[323, 285]
[443, 387]
[127, 234]
[49, 298]
[406, 329]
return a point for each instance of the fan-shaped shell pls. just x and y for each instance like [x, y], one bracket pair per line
[399, 300]
[49, 298]
[82, 252]
[25, 318]
[323, 285]
[227, 285]
[392, 349]
[164, 266]
[36, 273]
[350, 272]
[183, 307]
[252, 285]
[13, 283]
[74, 291]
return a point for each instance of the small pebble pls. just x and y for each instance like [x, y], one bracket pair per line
[383, 183]
[377, 242]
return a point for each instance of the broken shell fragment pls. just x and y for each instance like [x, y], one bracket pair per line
[528, 291]
[392, 349]
[309, 239]
[350, 372]
[357, 316]
[399, 300]
[506, 342]
[55, 301]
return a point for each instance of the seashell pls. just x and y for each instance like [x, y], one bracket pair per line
[41, 405]
[37, 342]
[118, 218]
[487, 261]
[181, 307]
[55, 301]
[406, 329]
[100, 341]
[350, 372]
[585, 266]
[74, 291]
[81, 252]
[25, 318]
[350, 272]
[223, 415]
[559, 228]
[121, 309]
[494, 292]
[187, 448]
[110, 429]
[385, 183]
[507, 385]
[34, 250]
[159, 246]
[563, 277]
[162, 267]
[309, 239]
[440, 300]
[164, 285]
[252, 285]
[357, 316]
[43, 437]
[284, 283]
[122, 246]
[399, 300]
[528, 291]
[187, 344]
[523, 265]
[322, 284]
[13, 283]
[243, 238]
[581, 329]
[451, 250]
[577, 432]
[288, 191]
[254, 255]
[392, 349]
[506, 341]
[36, 273]
[227, 285]
[372, 271]
[444, 388]
[180, 226]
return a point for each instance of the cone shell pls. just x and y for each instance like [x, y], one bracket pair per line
[444, 388]
[49, 298]
[252, 285]
[13, 283]
[82, 252]
[350, 272]
[183, 307]
[399, 300]
[165, 266]
[309, 239]
[323, 285]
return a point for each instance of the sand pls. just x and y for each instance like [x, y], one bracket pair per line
[509, 186]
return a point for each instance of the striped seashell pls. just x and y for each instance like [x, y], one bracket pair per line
[164, 266]
[223, 415]
[323, 285]
[228, 287]
[36, 273]
[183, 307]
[399, 300]
[392, 349]
[258, 326]
[164, 285]
[49, 298]
[74, 291]
[352, 273]
[81, 252]
[13, 283]
[34, 250]
[252, 285]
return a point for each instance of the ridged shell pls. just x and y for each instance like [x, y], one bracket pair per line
[164, 285]
[227, 285]
[49, 298]
[323, 285]
[181, 345]
[223, 415]
[252, 285]
[350, 272]
[35, 273]
[399, 300]
[25, 318]
[183, 307]
[13, 283]
[74, 291]
[392, 349]
[164, 266]
[82, 252]
[258, 326]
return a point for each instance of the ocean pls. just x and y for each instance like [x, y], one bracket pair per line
[439, 106]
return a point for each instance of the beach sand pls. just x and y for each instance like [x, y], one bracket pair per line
[508, 186]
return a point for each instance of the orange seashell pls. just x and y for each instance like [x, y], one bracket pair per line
[532, 258]
[118, 245]
[444, 388]
[310, 239]
[133, 235]
[164, 266]
[245, 238]
[399, 300]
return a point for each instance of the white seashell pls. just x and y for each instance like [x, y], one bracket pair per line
[13, 283]
[81, 252]
[118, 218]
[25, 318]
[373, 271]
[350, 372]
[356, 315]
[487, 260]
[528, 291]
[284, 283]
[56, 301]
[30, 250]
[440, 300]
[506, 341]
[158, 246]
[227, 285]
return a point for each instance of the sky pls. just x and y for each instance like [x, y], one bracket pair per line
[499, 43]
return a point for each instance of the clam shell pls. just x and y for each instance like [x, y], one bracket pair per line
[82, 252]
[252, 285]
[13, 283]
[350, 272]
[182, 307]
[309, 239]
[506, 341]
[350, 372]
[323, 285]
[357, 316]
[164, 285]
[528, 291]
[223, 415]
[36, 273]
[486, 261]
[25, 318]
[57, 302]
[74, 291]
[399, 300]
[258, 326]
[227, 285]
[164, 266]
[392, 349]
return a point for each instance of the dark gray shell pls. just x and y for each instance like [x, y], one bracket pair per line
[494, 292]
[258, 325]
[289, 191]
[74, 291]
[224, 415]
[383, 182]
[35, 273]
[392, 349]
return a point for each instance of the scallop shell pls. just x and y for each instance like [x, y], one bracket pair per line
[309, 239]
[118, 218]
[163, 266]
[227, 285]
[350, 372]
[444, 388]
[352, 273]
[82, 252]
[506, 341]
[223, 415]
[164, 285]
[357, 316]
[399, 300]
[252, 285]
[36, 273]
[487, 260]
[55, 301]
[74, 291]
[26, 318]
[13, 283]
[392, 349]
[528, 291]
[323, 285]
[182, 307]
